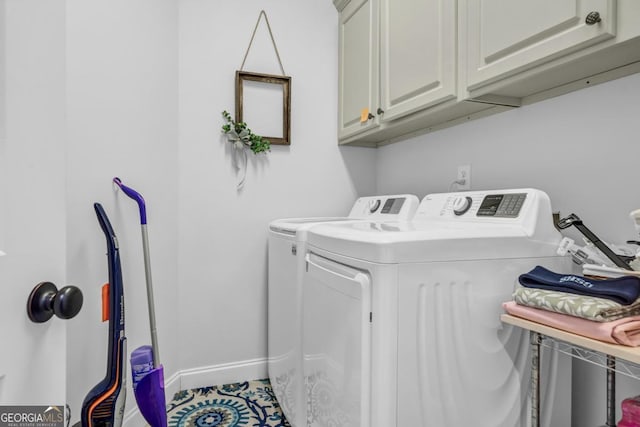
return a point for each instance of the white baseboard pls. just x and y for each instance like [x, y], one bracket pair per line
[226, 373]
[186, 379]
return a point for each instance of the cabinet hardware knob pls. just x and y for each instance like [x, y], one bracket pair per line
[46, 300]
[592, 18]
[380, 111]
[371, 116]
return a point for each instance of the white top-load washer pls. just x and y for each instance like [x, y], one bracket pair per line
[401, 321]
[287, 248]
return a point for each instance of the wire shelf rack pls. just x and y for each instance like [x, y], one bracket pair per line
[620, 366]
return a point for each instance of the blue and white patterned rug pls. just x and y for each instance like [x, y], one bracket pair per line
[250, 403]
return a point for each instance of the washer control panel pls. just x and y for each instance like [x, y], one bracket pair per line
[461, 205]
[478, 205]
[502, 205]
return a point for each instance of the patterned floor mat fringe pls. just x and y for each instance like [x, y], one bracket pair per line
[249, 403]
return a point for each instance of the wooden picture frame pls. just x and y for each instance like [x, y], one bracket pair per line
[257, 96]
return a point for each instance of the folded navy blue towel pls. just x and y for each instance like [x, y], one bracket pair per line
[623, 290]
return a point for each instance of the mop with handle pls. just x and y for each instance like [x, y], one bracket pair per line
[148, 375]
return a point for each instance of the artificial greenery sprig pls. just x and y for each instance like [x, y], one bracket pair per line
[240, 134]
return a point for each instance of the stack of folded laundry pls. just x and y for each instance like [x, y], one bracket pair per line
[606, 309]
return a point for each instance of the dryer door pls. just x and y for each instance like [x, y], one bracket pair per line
[336, 343]
[284, 327]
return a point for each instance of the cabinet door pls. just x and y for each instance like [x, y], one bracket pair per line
[358, 91]
[509, 36]
[417, 55]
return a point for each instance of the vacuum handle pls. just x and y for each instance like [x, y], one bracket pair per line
[133, 194]
[105, 225]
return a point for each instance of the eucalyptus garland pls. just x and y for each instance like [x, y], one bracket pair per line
[240, 135]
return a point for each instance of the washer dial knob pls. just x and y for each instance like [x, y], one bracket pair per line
[374, 205]
[461, 204]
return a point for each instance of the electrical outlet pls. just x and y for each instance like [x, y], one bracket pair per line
[464, 177]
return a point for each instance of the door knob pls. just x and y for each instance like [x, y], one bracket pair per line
[46, 300]
[592, 18]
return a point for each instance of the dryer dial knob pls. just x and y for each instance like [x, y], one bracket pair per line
[461, 205]
[374, 205]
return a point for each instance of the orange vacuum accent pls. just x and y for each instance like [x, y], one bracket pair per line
[105, 302]
[109, 393]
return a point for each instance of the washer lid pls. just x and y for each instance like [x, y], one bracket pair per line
[411, 242]
[439, 234]
[399, 207]
[291, 225]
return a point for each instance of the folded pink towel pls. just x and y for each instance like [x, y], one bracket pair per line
[625, 331]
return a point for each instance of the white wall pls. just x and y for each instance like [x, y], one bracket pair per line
[122, 99]
[581, 148]
[3, 123]
[32, 207]
[126, 63]
[101, 99]
[223, 232]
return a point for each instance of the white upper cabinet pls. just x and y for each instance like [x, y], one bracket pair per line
[413, 66]
[340, 4]
[396, 57]
[509, 36]
[417, 55]
[358, 86]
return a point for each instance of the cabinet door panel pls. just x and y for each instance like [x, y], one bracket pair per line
[358, 66]
[417, 59]
[509, 36]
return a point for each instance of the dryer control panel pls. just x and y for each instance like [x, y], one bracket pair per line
[385, 208]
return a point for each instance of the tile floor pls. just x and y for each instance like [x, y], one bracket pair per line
[250, 403]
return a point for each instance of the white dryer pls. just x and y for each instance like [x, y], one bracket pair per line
[401, 322]
[287, 248]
